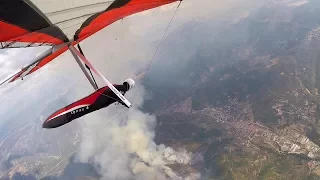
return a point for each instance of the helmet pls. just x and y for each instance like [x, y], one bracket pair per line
[130, 83]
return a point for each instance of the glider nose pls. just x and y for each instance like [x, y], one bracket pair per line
[46, 125]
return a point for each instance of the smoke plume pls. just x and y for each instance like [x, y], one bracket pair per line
[122, 145]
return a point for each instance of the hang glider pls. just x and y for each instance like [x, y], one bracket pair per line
[57, 23]
[61, 24]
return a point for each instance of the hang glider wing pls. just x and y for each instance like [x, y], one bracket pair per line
[26, 23]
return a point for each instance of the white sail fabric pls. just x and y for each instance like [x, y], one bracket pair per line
[69, 15]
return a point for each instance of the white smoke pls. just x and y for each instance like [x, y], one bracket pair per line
[122, 145]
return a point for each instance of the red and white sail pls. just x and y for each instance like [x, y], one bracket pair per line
[59, 23]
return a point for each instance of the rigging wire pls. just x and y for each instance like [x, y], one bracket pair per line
[159, 45]
[80, 49]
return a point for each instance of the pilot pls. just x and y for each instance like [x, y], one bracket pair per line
[101, 98]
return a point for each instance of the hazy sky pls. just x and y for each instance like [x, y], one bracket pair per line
[118, 51]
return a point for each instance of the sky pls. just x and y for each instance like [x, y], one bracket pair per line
[119, 52]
